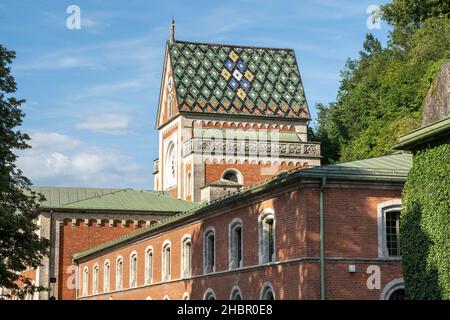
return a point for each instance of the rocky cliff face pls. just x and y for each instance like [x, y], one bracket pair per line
[437, 103]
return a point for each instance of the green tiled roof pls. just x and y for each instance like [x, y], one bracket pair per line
[239, 80]
[388, 168]
[425, 134]
[111, 199]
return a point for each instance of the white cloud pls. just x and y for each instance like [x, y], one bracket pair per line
[45, 140]
[108, 123]
[59, 62]
[52, 162]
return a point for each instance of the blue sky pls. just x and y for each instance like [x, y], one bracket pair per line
[92, 93]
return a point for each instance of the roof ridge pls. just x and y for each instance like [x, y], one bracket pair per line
[97, 196]
[230, 45]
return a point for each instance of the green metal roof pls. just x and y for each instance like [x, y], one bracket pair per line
[395, 165]
[110, 199]
[56, 197]
[132, 200]
[238, 80]
[392, 168]
[425, 134]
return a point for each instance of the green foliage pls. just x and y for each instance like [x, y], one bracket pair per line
[414, 12]
[425, 225]
[20, 246]
[381, 93]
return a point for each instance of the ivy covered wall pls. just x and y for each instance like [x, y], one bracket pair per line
[425, 224]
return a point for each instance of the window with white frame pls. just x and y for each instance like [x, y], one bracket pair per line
[106, 276]
[232, 175]
[85, 281]
[186, 256]
[170, 105]
[209, 251]
[119, 273]
[236, 294]
[393, 233]
[149, 265]
[133, 270]
[95, 279]
[188, 184]
[389, 229]
[267, 292]
[170, 164]
[166, 263]
[267, 237]
[235, 244]
[209, 294]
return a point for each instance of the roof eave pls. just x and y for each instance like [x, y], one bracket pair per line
[424, 135]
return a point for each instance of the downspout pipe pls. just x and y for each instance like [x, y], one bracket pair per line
[322, 252]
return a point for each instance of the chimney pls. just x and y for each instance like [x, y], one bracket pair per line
[172, 31]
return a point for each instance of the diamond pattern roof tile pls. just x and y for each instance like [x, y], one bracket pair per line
[216, 78]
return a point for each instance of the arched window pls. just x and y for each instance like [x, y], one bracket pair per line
[170, 84]
[106, 276]
[171, 165]
[188, 184]
[95, 279]
[166, 297]
[133, 270]
[232, 175]
[209, 251]
[119, 273]
[267, 237]
[209, 295]
[170, 105]
[185, 296]
[267, 292]
[394, 290]
[388, 220]
[149, 265]
[85, 281]
[235, 244]
[186, 256]
[166, 263]
[236, 293]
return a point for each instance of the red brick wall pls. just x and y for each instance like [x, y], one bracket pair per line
[350, 232]
[252, 173]
[80, 238]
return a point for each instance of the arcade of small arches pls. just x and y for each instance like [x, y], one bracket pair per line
[242, 125]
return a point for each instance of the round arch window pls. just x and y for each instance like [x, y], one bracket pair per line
[398, 294]
[171, 165]
[231, 176]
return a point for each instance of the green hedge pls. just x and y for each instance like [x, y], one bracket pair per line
[425, 224]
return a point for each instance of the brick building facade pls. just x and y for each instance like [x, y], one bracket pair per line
[242, 208]
[359, 259]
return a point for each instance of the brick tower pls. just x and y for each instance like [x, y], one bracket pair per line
[228, 116]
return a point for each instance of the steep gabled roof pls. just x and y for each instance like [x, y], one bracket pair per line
[237, 80]
[392, 168]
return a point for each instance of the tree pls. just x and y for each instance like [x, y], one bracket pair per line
[20, 246]
[381, 92]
